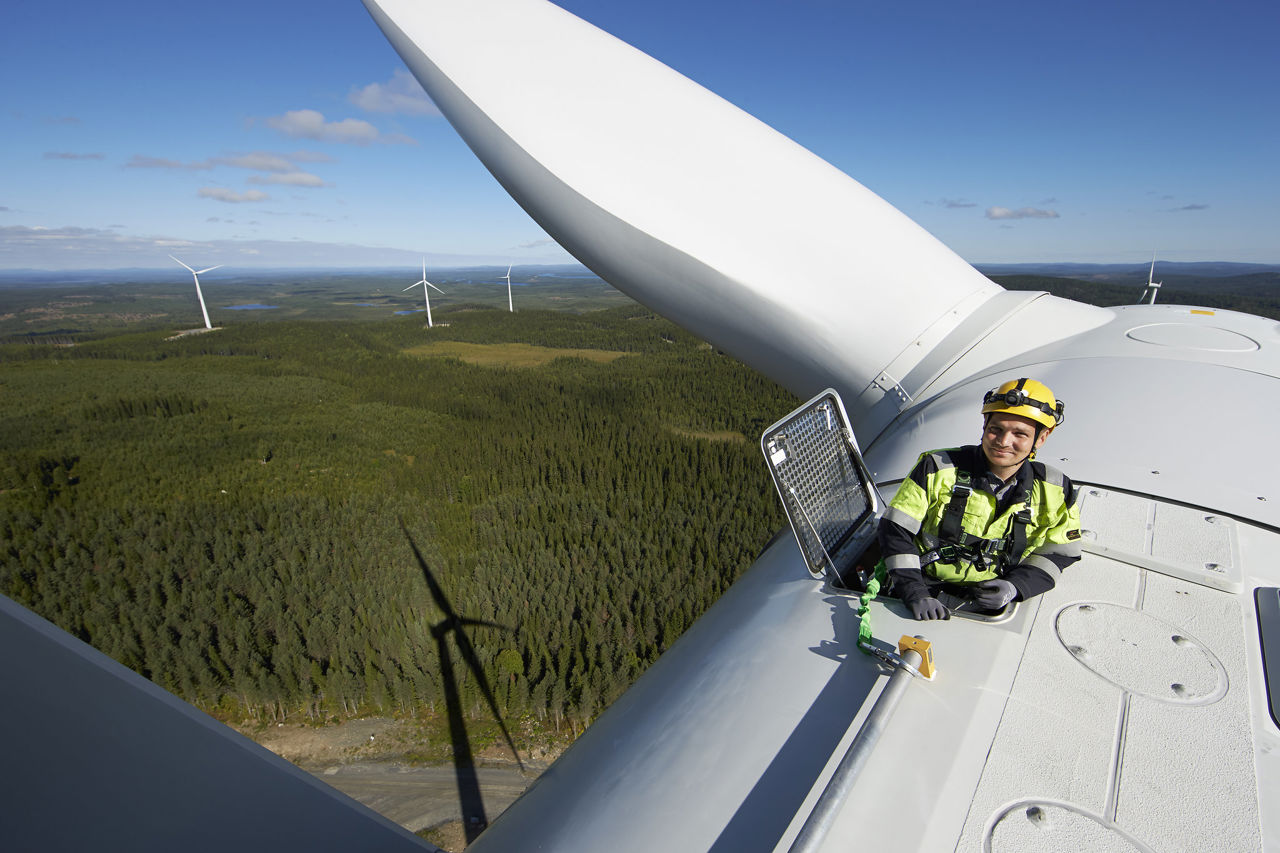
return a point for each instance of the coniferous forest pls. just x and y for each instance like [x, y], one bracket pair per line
[253, 518]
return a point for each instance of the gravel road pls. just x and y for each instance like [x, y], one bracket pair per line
[420, 797]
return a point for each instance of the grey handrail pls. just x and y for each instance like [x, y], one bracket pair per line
[837, 791]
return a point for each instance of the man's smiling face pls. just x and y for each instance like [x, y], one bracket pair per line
[1007, 440]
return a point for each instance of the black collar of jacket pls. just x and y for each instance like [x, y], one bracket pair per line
[974, 461]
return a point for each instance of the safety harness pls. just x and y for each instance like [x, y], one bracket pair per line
[983, 553]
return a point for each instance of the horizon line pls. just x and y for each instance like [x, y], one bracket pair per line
[572, 263]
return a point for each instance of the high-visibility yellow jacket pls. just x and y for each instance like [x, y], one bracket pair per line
[1040, 499]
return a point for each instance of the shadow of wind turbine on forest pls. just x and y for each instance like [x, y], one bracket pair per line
[474, 818]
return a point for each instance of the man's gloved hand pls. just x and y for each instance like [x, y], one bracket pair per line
[928, 608]
[994, 594]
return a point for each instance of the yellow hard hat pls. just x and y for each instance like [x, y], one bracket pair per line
[1025, 397]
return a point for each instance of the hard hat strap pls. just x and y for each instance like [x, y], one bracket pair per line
[1017, 397]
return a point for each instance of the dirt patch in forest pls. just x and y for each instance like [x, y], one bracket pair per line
[509, 354]
[375, 739]
[353, 740]
[716, 435]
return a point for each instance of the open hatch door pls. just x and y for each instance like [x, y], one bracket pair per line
[825, 488]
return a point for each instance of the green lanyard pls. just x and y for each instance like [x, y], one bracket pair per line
[864, 606]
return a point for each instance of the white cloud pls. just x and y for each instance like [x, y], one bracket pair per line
[289, 179]
[309, 157]
[310, 124]
[1020, 213]
[72, 247]
[39, 233]
[223, 194]
[23, 245]
[259, 161]
[141, 161]
[400, 94]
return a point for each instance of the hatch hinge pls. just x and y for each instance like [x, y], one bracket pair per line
[892, 389]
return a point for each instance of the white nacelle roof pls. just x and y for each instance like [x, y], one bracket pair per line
[1165, 400]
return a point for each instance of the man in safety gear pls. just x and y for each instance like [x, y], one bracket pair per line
[985, 520]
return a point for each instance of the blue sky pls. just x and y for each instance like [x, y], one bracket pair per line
[287, 132]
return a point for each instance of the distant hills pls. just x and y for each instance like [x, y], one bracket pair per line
[1108, 273]
[1252, 288]
[523, 273]
[1125, 272]
[1252, 292]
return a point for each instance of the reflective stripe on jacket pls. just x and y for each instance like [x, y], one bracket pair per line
[918, 508]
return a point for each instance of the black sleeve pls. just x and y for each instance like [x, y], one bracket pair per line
[1029, 580]
[908, 585]
[894, 538]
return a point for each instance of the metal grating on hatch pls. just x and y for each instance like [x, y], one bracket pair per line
[1172, 539]
[824, 487]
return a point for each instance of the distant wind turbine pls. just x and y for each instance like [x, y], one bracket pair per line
[196, 275]
[1152, 286]
[426, 293]
[508, 278]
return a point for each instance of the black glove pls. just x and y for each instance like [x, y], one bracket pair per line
[994, 594]
[928, 608]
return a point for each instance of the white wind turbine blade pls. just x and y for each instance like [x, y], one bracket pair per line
[706, 215]
[209, 269]
[427, 283]
[510, 307]
[188, 268]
